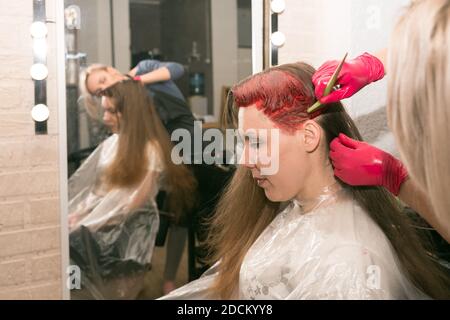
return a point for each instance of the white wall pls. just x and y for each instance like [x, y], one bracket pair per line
[315, 30]
[244, 65]
[224, 47]
[122, 37]
[95, 33]
[89, 18]
[257, 35]
[102, 41]
[319, 30]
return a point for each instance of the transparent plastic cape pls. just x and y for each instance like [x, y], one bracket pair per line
[112, 232]
[333, 250]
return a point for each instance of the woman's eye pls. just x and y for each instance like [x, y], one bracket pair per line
[255, 144]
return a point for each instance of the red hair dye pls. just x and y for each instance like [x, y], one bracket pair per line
[283, 93]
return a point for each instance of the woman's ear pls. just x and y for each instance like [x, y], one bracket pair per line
[312, 134]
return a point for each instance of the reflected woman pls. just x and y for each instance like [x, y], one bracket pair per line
[113, 217]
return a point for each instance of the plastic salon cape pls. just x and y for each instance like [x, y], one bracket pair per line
[110, 244]
[334, 251]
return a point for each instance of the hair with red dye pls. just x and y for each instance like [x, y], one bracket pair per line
[284, 93]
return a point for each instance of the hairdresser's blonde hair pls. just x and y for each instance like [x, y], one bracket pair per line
[419, 98]
[91, 103]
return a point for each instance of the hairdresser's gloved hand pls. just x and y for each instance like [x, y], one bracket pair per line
[360, 164]
[355, 75]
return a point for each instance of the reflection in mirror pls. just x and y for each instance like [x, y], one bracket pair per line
[130, 238]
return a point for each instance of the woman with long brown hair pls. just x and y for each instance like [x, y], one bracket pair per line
[112, 196]
[299, 233]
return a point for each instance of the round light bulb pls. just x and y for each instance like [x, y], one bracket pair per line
[38, 29]
[40, 112]
[278, 6]
[278, 38]
[39, 71]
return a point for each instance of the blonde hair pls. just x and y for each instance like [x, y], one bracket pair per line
[419, 98]
[91, 103]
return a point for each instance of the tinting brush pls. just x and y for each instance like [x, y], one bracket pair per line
[316, 106]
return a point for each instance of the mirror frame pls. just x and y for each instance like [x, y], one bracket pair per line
[62, 143]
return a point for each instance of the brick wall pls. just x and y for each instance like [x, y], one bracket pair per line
[30, 249]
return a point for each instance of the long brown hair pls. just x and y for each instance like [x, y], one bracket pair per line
[140, 125]
[244, 211]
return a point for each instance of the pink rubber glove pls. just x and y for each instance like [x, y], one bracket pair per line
[355, 75]
[360, 164]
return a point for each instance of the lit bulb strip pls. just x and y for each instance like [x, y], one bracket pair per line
[274, 25]
[40, 56]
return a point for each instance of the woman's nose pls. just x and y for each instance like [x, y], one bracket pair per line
[248, 158]
[249, 164]
[106, 117]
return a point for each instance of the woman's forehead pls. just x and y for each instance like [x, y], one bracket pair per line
[93, 80]
[107, 102]
[252, 118]
[93, 77]
[98, 73]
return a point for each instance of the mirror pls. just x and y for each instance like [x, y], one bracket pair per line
[212, 41]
